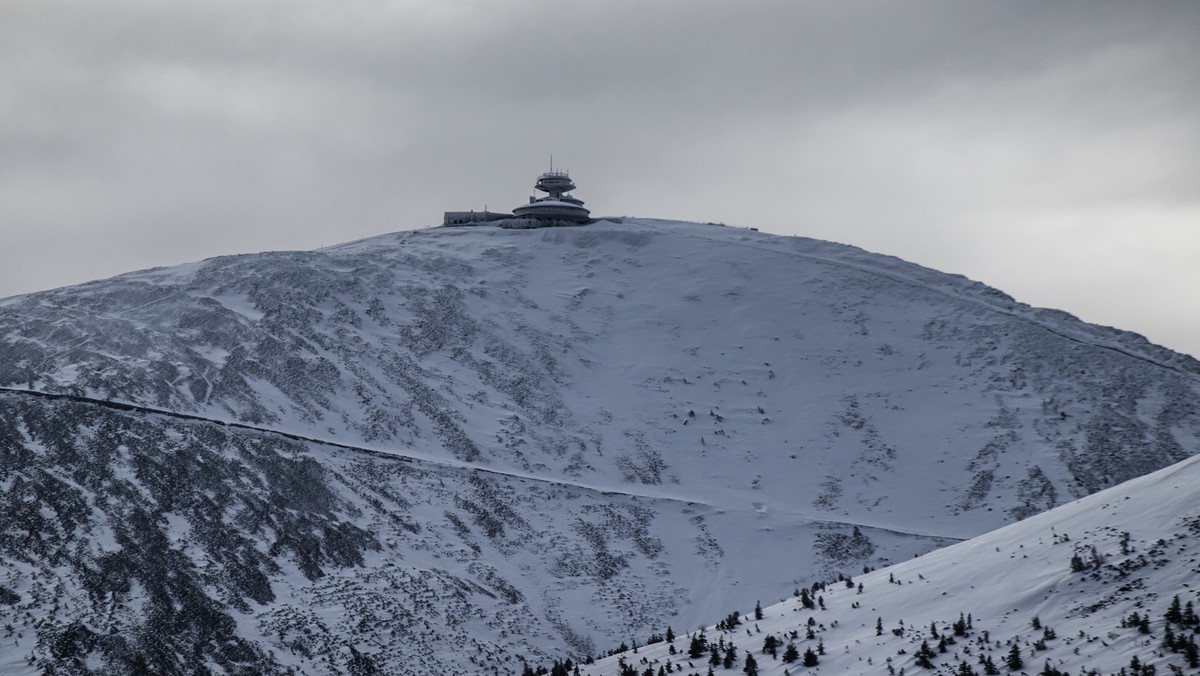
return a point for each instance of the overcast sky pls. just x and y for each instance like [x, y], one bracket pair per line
[1050, 149]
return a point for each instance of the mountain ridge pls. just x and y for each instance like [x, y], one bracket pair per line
[606, 426]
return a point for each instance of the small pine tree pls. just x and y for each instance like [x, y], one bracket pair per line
[810, 658]
[1168, 642]
[1077, 564]
[790, 653]
[1013, 660]
[750, 668]
[924, 656]
[758, 614]
[960, 626]
[1174, 611]
[879, 626]
[1049, 670]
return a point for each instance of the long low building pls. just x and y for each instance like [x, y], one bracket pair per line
[469, 217]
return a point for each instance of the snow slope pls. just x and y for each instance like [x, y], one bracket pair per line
[533, 441]
[1146, 533]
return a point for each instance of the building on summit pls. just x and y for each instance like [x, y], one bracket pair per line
[558, 206]
[469, 217]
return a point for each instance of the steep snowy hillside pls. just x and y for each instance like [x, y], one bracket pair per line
[530, 441]
[1109, 582]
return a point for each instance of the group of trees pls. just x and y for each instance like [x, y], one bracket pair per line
[1181, 624]
[1089, 560]
[1183, 641]
[566, 668]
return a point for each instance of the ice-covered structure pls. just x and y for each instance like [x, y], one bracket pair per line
[557, 205]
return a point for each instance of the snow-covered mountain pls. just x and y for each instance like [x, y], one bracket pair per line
[1109, 582]
[464, 449]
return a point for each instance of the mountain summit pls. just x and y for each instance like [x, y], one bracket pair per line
[465, 448]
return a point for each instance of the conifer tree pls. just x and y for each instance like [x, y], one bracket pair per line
[730, 657]
[750, 668]
[810, 658]
[960, 626]
[758, 613]
[1174, 612]
[1077, 564]
[1013, 660]
[924, 656]
[791, 654]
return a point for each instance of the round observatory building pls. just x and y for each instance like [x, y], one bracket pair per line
[557, 205]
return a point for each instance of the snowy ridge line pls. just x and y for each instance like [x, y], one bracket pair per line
[393, 455]
[911, 281]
